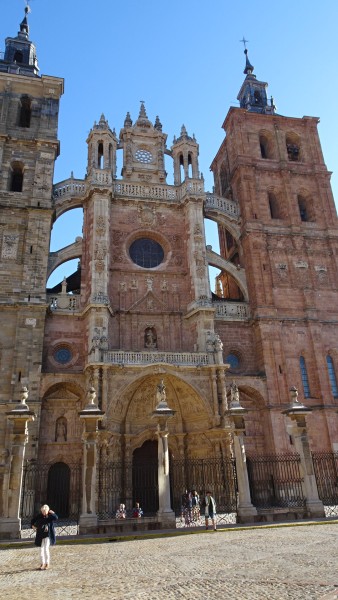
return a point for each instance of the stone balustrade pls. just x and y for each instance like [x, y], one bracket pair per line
[145, 358]
[224, 205]
[63, 302]
[77, 187]
[231, 311]
[101, 178]
[69, 187]
[138, 190]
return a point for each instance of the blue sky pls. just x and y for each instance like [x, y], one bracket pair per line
[185, 60]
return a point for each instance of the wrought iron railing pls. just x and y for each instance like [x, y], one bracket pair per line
[217, 475]
[275, 481]
[127, 483]
[325, 466]
[60, 488]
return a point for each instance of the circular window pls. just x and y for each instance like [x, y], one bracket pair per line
[233, 361]
[146, 253]
[143, 156]
[63, 355]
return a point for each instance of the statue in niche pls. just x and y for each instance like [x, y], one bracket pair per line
[150, 338]
[161, 395]
[61, 429]
[218, 343]
[234, 395]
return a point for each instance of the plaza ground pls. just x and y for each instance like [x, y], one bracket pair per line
[277, 563]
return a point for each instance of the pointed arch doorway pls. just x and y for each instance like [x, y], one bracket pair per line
[145, 477]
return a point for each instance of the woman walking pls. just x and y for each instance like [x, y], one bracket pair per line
[43, 523]
[210, 510]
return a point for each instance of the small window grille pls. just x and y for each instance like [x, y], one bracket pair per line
[305, 379]
[332, 376]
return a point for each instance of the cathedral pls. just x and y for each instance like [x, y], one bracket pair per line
[141, 308]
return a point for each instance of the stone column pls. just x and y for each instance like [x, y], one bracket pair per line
[245, 510]
[19, 416]
[297, 429]
[90, 417]
[162, 413]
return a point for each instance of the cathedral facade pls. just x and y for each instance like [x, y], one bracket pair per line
[141, 307]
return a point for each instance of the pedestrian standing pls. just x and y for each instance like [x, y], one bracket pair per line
[210, 510]
[45, 537]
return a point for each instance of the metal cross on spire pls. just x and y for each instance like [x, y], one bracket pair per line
[244, 42]
[27, 7]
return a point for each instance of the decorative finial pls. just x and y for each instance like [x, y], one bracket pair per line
[158, 124]
[143, 113]
[128, 122]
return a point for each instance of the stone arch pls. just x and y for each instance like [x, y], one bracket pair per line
[60, 426]
[215, 260]
[134, 407]
[58, 258]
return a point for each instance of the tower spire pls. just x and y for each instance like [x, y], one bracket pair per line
[248, 66]
[252, 95]
[20, 53]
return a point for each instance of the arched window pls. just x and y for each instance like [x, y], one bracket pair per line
[293, 147]
[233, 360]
[18, 56]
[305, 379]
[25, 112]
[305, 207]
[182, 175]
[16, 178]
[100, 155]
[265, 144]
[257, 98]
[189, 166]
[274, 206]
[332, 376]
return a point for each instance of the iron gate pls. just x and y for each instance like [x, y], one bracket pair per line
[325, 466]
[127, 483]
[275, 481]
[202, 474]
[59, 486]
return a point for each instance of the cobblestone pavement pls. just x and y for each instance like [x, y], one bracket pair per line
[264, 564]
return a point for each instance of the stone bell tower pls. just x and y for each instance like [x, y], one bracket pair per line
[29, 107]
[273, 167]
[144, 146]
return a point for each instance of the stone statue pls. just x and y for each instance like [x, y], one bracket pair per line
[61, 430]
[218, 343]
[150, 340]
[234, 395]
[160, 392]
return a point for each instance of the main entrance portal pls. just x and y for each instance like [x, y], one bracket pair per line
[145, 477]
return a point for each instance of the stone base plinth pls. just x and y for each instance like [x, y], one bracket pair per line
[10, 528]
[315, 509]
[129, 525]
[88, 524]
[246, 514]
